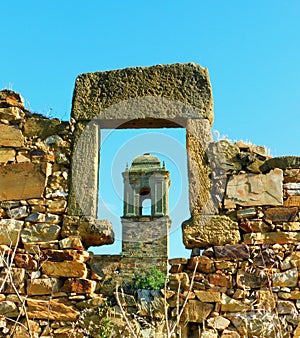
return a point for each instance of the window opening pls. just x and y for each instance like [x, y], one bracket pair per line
[145, 209]
[118, 148]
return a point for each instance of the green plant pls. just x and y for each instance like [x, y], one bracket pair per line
[153, 279]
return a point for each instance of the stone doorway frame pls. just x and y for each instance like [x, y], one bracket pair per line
[151, 98]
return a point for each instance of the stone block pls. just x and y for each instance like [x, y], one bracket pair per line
[79, 285]
[202, 264]
[196, 311]
[232, 305]
[8, 309]
[286, 307]
[9, 231]
[198, 137]
[247, 281]
[292, 201]
[11, 114]
[66, 255]
[220, 279]
[9, 98]
[218, 323]
[287, 278]
[7, 154]
[232, 252]
[43, 286]
[224, 155]
[266, 300]
[278, 237]
[41, 127]
[17, 213]
[143, 92]
[25, 261]
[281, 214]
[72, 242]
[255, 189]
[23, 181]
[201, 231]
[283, 162]
[42, 232]
[93, 232]
[65, 269]
[10, 136]
[208, 296]
[52, 309]
[255, 225]
[15, 281]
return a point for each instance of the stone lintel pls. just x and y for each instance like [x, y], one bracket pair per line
[144, 92]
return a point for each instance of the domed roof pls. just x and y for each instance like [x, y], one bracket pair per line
[146, 161]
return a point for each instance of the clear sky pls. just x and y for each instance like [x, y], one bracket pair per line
[251, 48]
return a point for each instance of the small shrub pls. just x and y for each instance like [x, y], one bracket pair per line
[153, 279]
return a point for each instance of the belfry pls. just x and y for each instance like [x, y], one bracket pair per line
[145, 230]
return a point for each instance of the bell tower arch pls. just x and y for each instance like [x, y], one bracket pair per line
[146, 179]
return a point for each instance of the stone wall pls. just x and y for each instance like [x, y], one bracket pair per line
[44, 265]
[242, 279]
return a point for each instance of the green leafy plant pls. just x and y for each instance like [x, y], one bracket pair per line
[153, 279]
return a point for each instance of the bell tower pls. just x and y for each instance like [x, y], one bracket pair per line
[145, 221]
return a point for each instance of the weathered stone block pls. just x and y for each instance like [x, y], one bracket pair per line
[208, 296]
[283, 162]
[203, 264]
[79, 285]
[10, 136]
[66, 255]
[224, 155]
[232, 252]
[292, 201]
[59, 310]
[255, 189]
[201, 231]
[42, 286]
[196, 311]
[8, 309]
[25, 261]
[218, 323]
[65, 269]
[246, 280]
[272, 238]
[9, 98]
[17, 213]
[91, 231]
[9, 231]
[255, 225]
[186, 83]
[232, 305]
[22, 181]
[14, 282]
[198, 137]
[40, 233]
[288, 278]
[219, 279]
[72, 242]
[41, 127]
[7, 154]
[281, 214]
[11, 114]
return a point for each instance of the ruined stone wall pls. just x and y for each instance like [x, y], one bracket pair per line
[45, 279]
[244, 274]
[243, 277]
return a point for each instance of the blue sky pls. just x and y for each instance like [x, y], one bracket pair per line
[251, 49]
